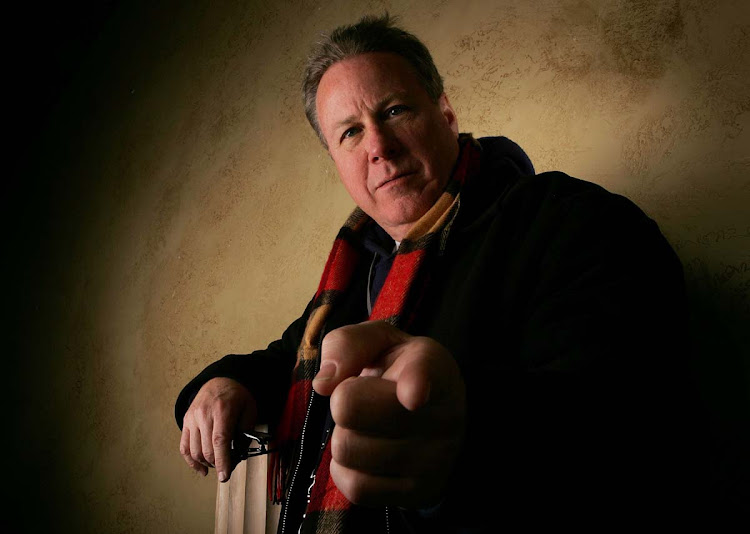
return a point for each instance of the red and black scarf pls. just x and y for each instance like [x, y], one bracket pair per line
[397, 303]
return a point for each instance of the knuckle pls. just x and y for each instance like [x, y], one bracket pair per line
[221, 404]
[196, 453]
[349, 483]
[200, 413]
[356, 495]
[341, 445]
[333, 341]
[422, 344]
[427, 346]
[427, 343]
[342, 339]
[219, 439]
[342, 401]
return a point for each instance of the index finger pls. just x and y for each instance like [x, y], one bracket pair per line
[348, 350]
[221, 440]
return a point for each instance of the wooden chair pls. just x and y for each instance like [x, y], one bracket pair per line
[242, 505]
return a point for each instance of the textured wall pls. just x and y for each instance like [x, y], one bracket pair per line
[177, 207]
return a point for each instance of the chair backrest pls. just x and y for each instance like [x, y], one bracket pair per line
[242, 505]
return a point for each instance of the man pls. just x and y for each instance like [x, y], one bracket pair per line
[522, 355]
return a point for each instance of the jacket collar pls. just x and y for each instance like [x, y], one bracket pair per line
[503, 163]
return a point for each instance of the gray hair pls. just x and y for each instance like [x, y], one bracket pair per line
[370, 34]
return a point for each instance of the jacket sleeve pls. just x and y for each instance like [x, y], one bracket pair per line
[608, 400]
[585, 407]
[265, 373]
[611, 413]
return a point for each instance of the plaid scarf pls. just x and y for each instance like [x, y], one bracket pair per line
[397, 304]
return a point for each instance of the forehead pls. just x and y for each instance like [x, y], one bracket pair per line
[364, 79]
[372, 66]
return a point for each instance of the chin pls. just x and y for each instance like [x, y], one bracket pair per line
[405, 220]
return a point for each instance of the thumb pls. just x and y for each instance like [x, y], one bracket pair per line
[352, 349]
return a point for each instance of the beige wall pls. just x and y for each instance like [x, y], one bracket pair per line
[189, 207]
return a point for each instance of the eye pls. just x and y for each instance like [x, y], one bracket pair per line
[396, 110]
[349, 132]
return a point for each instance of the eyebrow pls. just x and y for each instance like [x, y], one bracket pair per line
[380, 104]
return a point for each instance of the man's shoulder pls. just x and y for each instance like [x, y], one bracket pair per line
[509, 185]
[506, 164]
[560, 192]
[560, 186]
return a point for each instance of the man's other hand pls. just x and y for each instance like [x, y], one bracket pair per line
[399, 406]
[221, 408]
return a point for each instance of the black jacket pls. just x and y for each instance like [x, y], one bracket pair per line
[564, 307]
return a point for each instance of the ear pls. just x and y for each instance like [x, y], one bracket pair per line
[447, 110]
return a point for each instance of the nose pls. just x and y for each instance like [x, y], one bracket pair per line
[382, 144]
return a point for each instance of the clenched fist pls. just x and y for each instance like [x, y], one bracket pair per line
[399, 406]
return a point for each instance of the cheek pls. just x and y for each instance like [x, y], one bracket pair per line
[353, 176]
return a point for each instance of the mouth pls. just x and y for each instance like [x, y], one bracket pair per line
[394, 178]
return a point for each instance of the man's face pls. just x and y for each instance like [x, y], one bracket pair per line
[394, 147]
